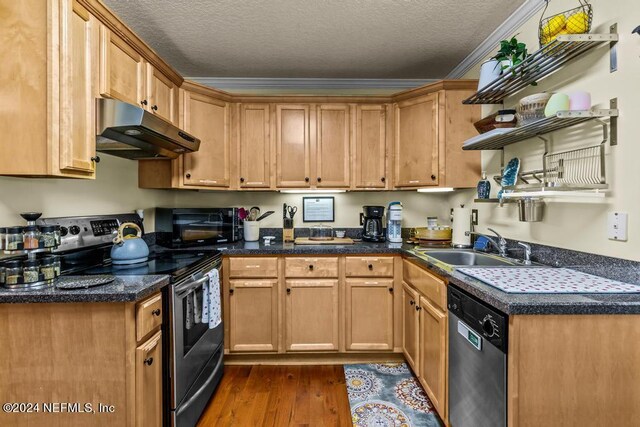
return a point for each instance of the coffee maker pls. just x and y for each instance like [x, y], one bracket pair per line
[372, 230]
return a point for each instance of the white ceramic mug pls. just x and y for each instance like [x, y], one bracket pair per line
[251, 231]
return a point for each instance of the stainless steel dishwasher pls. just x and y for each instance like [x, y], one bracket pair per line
[477, 362]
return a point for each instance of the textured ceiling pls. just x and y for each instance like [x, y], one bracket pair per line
[378, 39]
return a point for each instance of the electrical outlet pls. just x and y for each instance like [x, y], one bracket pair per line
[617, 226]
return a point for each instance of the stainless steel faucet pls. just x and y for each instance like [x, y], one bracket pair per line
[500, 244]
[527, 253]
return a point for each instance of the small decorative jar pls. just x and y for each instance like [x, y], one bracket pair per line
[30, 271]
[31, 237]
[3, 233]
[56, 265]
[3, 272]
[57, 235]
[47, 268]
[14, 239]
[13, 272]
[484, 187]
[48, 236]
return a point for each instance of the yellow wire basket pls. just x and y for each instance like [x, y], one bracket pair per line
[572, 21]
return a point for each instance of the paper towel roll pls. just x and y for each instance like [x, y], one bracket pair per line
[461, 225]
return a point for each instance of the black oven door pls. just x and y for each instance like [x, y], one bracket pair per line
[193, 342]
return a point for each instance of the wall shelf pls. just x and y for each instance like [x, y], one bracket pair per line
[561, 120]
[539, 65]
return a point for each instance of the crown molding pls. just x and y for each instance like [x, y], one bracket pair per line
[506, 29]
[231, 84]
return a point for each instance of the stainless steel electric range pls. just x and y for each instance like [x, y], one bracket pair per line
[193, 353]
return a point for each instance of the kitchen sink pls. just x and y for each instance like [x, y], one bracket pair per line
[465, 258]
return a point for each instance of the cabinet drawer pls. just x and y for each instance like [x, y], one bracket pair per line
[311, 267]
[426, 283]
[253, 267]
[369, 266]
[148, 315]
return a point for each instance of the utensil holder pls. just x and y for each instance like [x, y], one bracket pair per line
[251, 231]
[530, 210]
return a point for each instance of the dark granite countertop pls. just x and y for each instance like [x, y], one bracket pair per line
[122, 289]
[508, 303]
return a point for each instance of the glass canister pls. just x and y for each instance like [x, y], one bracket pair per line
[3, 233]
[13, 272]
[14, 239]
[47, 267]
[48, 236]
[31, 237]
[31, 270]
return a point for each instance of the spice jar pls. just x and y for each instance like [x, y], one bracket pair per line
[56, 265]
[3, 232]
[48, 236]
[30, 271]
[58, 235]
[13, 239]
[3, 271]
[13, 272]
[47, 268]
[31, 237]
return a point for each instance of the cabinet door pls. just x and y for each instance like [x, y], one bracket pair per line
[369, 317]
[433, 353]
[410, 319]
[416, 157]
[208, 119]
[333, 148]
[122, 70]
[311, 313]
[253, 313]
[369, 163]
[77, 100]
[293, 162]
[149, 382]
[162, 95]
[254, 146]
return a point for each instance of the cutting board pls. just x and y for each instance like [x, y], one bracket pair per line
[540, 280]
[335, 241]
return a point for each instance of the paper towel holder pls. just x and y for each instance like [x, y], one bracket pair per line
[473, 221]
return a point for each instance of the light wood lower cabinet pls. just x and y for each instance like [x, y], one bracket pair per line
[410, 327]
[311, 315]
[369, 314]
[149, 382]
[253, 312]
[433, 354]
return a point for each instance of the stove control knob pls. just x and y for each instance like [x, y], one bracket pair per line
[64, 231]
[489, 326]
[74, 229]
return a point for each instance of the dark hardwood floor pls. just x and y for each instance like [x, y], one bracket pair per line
[277, 396]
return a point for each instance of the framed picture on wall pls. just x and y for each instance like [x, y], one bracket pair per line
[318, 209]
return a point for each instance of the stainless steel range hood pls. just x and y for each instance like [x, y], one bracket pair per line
[128, 131]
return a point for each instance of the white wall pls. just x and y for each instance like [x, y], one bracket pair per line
[581, 225]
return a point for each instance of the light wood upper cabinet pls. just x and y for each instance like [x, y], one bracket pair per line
[369, 161]
[122, 70]
[433, 354]
[148, 406]
[254, 146]
[333, 146]
[416, 144]
[410, 327]
[208, 119]
[162, 95]
[293, 150]
[311, 314]
[77, 119]
[369, 314]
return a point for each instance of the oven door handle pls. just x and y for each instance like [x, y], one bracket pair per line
[182, 289]
[184, 406]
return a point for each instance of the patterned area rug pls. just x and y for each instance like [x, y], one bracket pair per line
[388, 395]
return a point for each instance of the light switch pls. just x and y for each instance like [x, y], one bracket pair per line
[617, 226]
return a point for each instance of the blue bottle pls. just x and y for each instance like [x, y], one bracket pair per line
[484, 187]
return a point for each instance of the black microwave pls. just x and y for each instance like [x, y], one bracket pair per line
[176, 228]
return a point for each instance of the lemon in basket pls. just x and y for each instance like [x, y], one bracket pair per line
[554, 26]
[578, 23]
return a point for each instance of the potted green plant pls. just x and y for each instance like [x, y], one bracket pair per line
[511, 53]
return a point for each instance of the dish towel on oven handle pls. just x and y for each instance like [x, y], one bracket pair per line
[211, 303]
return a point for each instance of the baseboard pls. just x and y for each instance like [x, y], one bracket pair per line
[312, 358]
